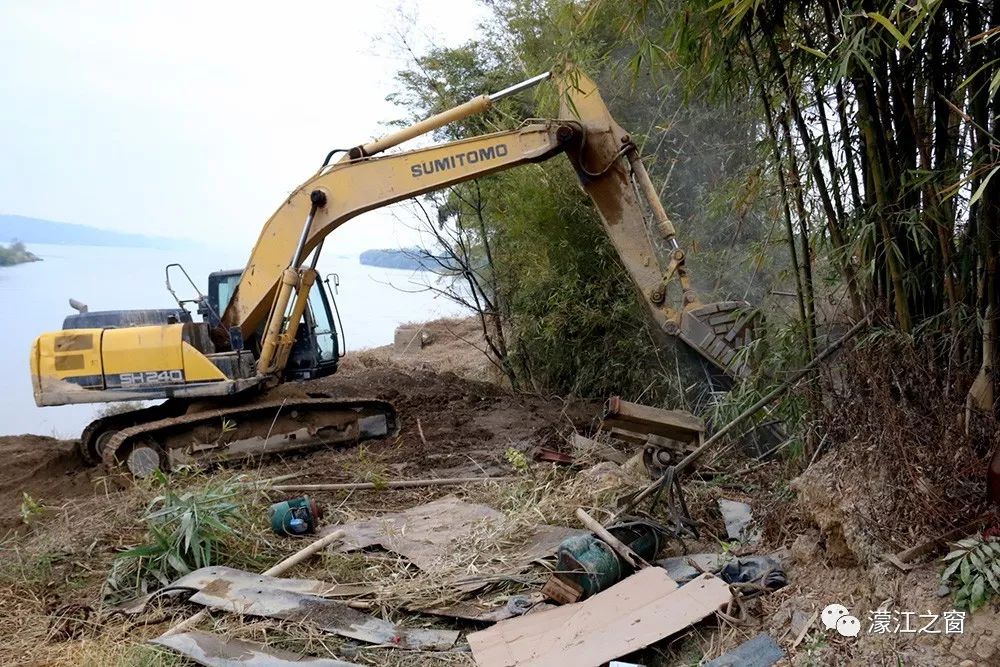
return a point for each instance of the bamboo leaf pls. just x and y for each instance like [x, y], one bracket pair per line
[950, 570]
[893, 30]
[808, 49]
[982, 186]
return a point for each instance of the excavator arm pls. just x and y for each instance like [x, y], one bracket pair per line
[209, 375]
[276, 281]
[351, 187]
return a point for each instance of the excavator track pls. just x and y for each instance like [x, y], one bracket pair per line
[245, 431]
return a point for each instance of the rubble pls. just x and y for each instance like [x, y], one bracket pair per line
[761, 651]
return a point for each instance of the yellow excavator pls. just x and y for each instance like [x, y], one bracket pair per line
[271, 323]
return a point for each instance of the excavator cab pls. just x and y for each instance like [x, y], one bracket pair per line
[317, 347]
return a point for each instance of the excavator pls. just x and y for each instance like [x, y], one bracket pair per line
[236, 384]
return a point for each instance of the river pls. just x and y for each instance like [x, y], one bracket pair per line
[34, 298]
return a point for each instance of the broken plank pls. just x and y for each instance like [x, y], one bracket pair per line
[631, 615]
[474, 610]
[676, 424]
[328, 615]
[212, 650]
[903, 559]
[594, 449]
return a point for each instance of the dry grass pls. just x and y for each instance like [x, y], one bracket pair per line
[900, 467]
[64, 557]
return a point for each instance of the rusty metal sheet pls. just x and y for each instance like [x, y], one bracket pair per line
[211, 650]
[197, 580]
[327, 615]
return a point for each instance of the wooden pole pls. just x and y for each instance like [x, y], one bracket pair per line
[622, 549]
[394, 484]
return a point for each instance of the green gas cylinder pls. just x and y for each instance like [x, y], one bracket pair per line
[297, 516]
[593, 565]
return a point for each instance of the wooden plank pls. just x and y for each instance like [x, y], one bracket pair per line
[632, 614]
[600, 451]
[677, 424]
[561, 591]
[627, 436]
[211, 650]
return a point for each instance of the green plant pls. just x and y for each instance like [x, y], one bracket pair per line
[185, 531]
[974, 566]
[30, 508]
[516, 459]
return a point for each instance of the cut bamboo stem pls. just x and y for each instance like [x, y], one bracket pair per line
[393, 484]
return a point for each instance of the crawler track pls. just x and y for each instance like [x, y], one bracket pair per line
[240, 431]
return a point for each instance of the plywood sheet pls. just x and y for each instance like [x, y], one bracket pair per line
[636, 612]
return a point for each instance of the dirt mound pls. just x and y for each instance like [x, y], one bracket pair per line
[453, 425]
[444, 345]
[900, 468]
[46, 469]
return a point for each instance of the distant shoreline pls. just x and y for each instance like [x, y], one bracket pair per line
[393, 259]
[37, 230]
[15, 254]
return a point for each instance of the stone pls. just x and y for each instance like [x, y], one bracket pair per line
[985, 647]
[805, 547]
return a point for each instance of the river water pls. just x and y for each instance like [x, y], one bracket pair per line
[34, 298]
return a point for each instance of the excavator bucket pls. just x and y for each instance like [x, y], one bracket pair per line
[611, 172]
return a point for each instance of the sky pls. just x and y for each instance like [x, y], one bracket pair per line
[196, 119]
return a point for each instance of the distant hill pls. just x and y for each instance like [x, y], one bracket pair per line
[36, 230]
[394, 259]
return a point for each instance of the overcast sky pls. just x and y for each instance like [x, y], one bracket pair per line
[195, 119]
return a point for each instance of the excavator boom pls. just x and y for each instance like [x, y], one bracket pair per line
[204, 368]
[610, 171]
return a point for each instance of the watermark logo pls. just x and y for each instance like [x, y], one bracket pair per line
[890, 621]
[837, 617]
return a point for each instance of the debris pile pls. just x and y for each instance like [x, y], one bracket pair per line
[494, 530]
[573, 591]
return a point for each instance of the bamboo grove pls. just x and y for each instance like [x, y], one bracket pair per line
[882, 123]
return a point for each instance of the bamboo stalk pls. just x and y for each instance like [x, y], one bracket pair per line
[622, 549]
